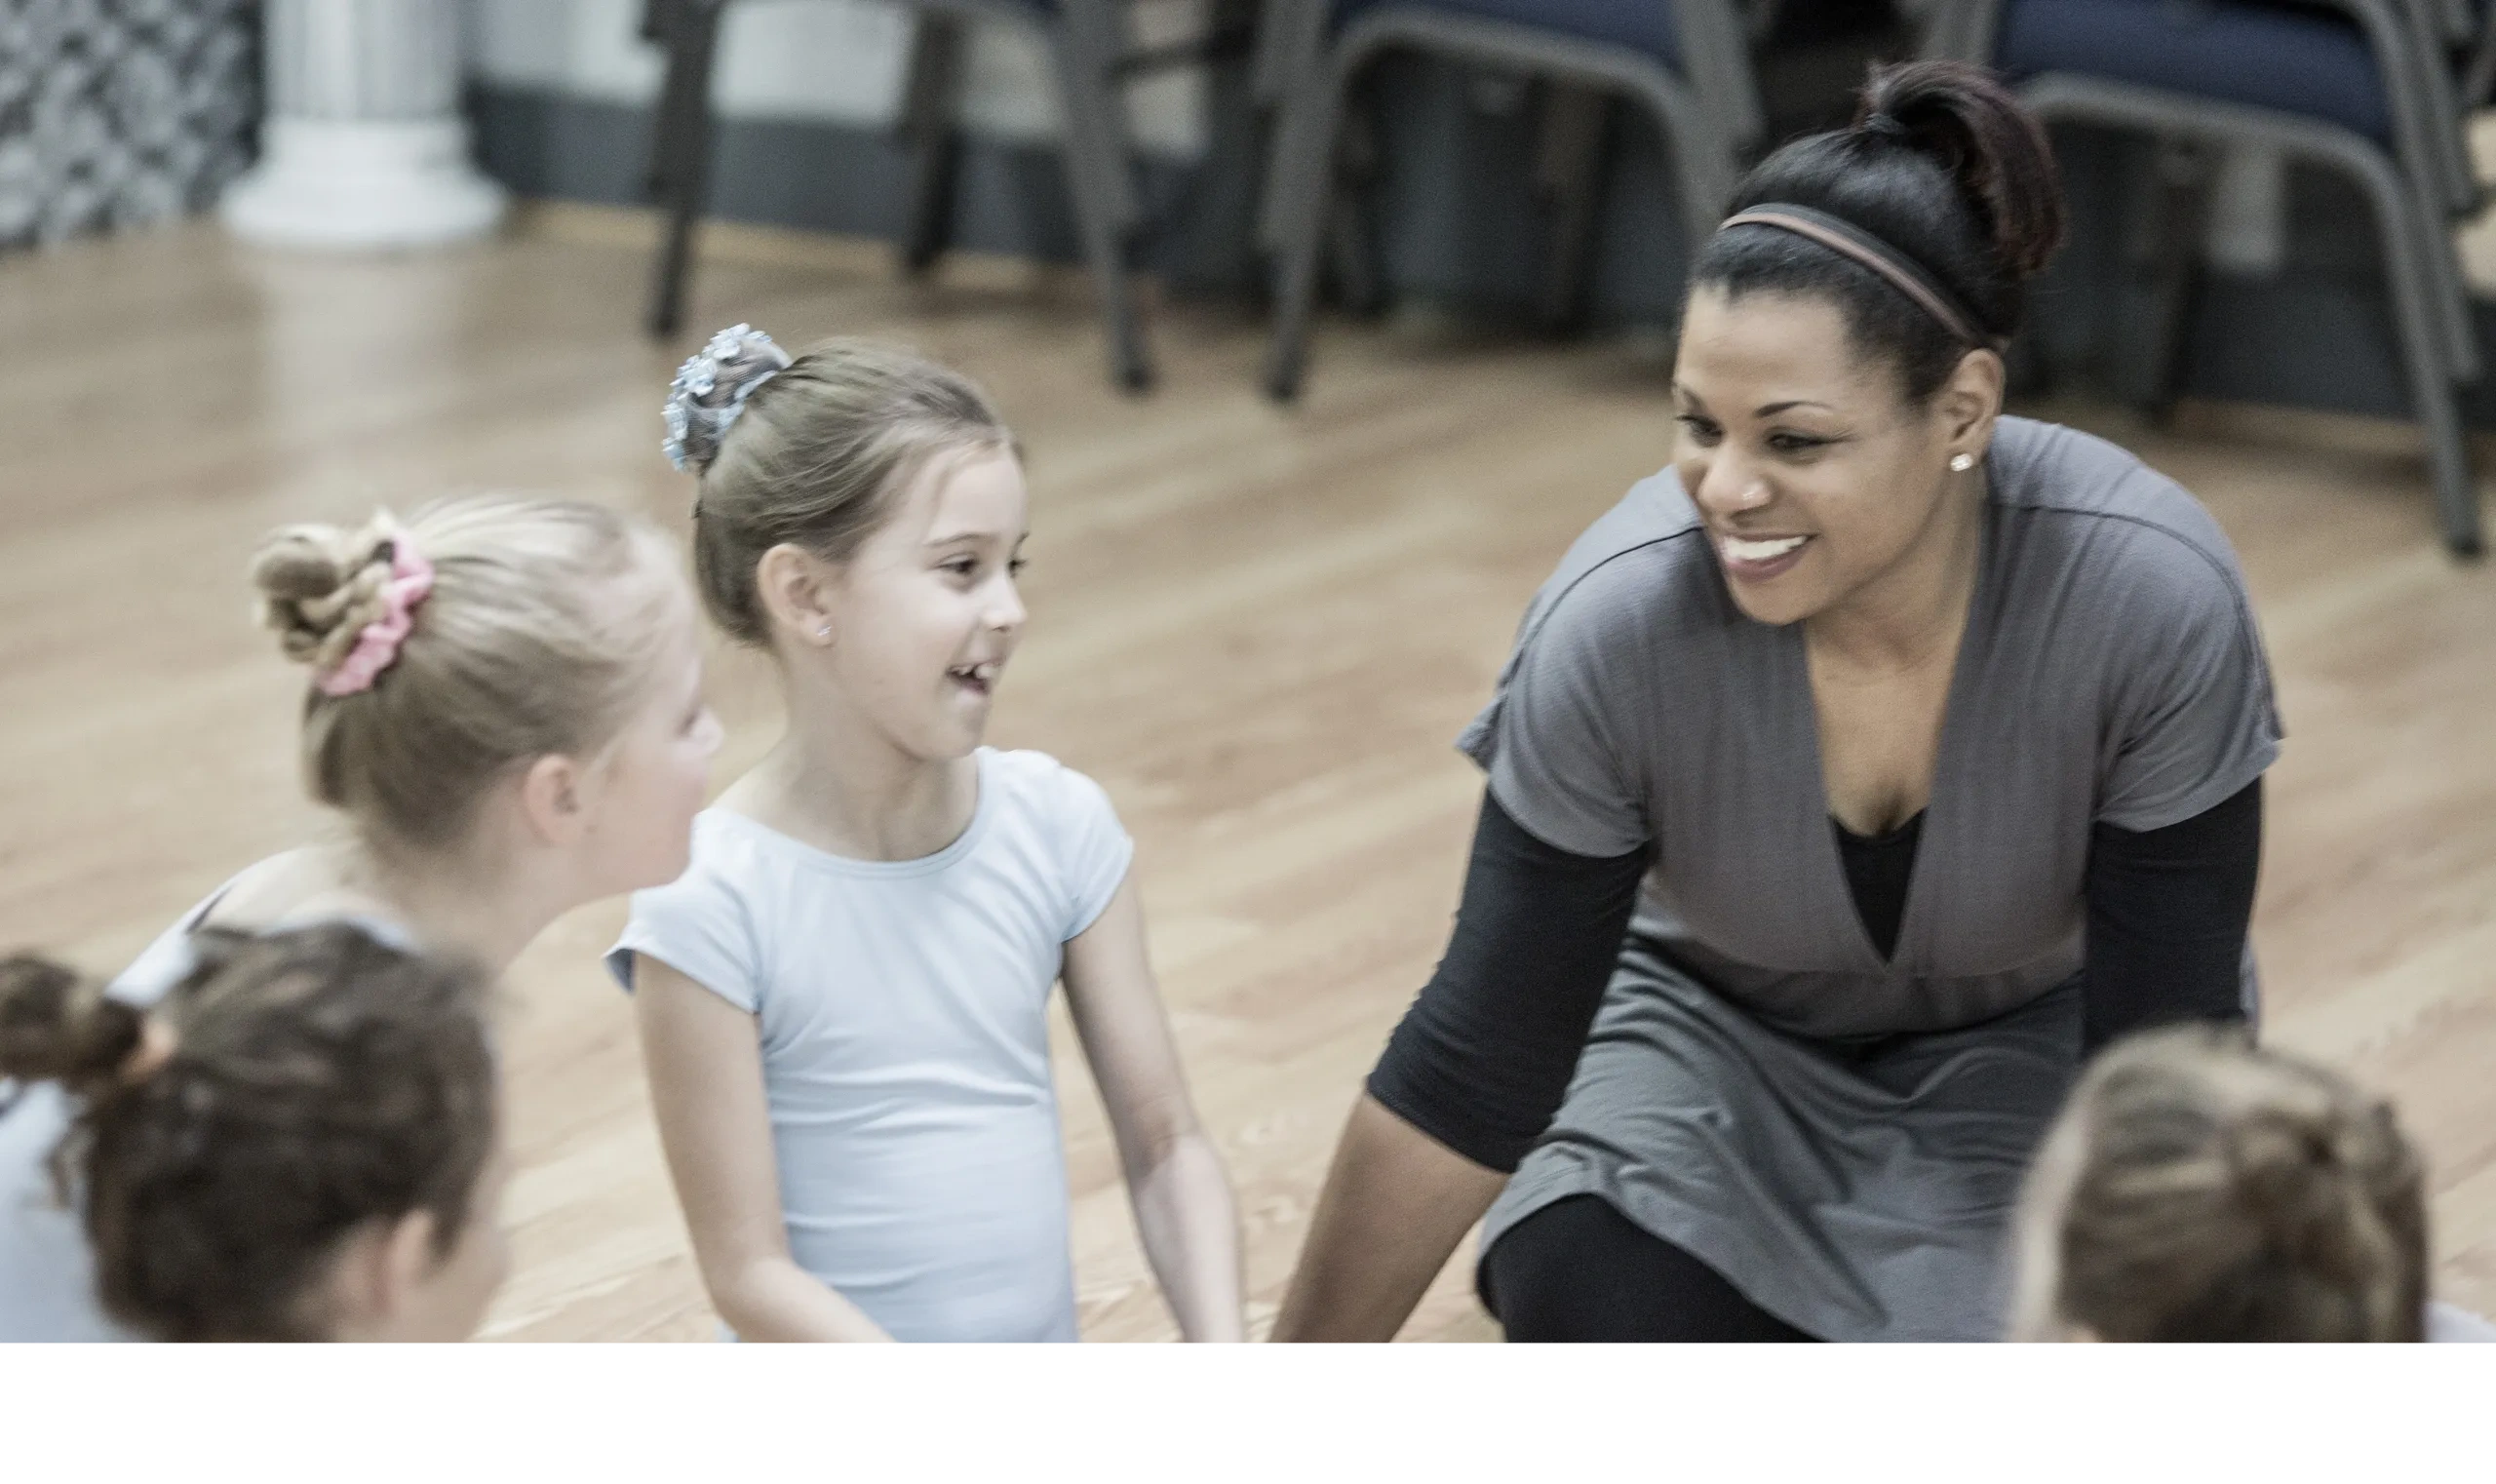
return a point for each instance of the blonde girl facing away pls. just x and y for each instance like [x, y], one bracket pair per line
[2196, 1187]
[844, 1001]
[300, 1141]
[506, 709]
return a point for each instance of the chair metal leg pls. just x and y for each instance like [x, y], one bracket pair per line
[2406, 261]
[2478, 79]
[2419, 82]
[1577, 126]
[2410, 250]
[682, 148]
[658, 26]
[1302, 182]
[1351, 247]
[2186, 168]
[1704, 170]
[2458, 324]
[1291, 66]
[1086, 44]
[931, 129]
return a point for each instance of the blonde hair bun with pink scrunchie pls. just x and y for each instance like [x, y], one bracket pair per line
[483, 630]
[341, 601]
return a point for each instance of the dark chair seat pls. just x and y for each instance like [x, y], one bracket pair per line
[1640, 26]
[2312, 63]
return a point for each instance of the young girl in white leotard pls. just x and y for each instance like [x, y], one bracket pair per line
[843, 1002]
[506, 709]
[302, 1140]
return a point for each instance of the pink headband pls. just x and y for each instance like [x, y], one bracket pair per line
[377, 645]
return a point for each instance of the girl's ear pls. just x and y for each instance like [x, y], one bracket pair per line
[795, 586]
[407, 1256]
[551, 801]
[379, 1267]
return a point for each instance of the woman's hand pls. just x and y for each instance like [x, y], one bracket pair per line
[1175, 1178]
[705, 1067]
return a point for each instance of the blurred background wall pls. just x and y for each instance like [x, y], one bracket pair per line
[123, 112]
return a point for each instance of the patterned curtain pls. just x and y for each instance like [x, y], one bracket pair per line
[117, 113]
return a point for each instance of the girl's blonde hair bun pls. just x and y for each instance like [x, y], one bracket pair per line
[2198, 1187]
[319, 585]
[543, 626]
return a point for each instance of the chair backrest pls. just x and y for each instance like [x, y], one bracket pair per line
[2410, 42]
[1714, 42]
[1716, 58]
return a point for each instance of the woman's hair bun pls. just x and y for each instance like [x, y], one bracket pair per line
[319, 585]
[1972, 125]
[57, 1026]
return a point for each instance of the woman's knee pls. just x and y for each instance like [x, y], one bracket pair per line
[1578, 1269]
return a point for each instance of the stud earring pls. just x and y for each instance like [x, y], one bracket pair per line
[824, 632]
[1961, 463]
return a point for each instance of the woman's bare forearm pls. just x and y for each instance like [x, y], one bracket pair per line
[1396, 1204]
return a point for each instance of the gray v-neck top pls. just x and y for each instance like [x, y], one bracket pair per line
[2111, 671]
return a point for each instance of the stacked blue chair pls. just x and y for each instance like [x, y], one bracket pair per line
[1683, 62]
[2358, 87]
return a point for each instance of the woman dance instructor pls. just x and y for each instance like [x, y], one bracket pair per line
[1935, 739]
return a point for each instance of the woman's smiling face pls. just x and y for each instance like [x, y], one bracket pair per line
[1815, 476]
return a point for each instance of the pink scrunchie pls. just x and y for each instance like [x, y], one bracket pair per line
[410, 579]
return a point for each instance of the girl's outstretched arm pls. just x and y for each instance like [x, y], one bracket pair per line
[1182, 1195]
[705, 1066]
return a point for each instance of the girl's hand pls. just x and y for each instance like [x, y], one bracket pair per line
[1175, 1178]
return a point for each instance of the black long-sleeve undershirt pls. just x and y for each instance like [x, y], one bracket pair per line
[1482, 1060]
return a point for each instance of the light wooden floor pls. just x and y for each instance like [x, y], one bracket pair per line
[1260, 629]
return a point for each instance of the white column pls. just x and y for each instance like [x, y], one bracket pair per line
[363, 145]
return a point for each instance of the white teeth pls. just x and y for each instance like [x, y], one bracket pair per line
[1740, 550]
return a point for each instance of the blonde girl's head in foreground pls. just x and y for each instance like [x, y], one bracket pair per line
[860, 515]
[2196, 1187]
[300, 1142]
[499, 680]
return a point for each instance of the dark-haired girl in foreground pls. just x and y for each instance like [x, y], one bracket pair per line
[300, 1142]
[1934, 739]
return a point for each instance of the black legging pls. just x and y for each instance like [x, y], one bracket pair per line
[1578, 1270]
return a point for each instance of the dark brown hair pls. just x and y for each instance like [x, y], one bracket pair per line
[1944, 165]
[290, 1089]
[2217, 1190]
[815, 459]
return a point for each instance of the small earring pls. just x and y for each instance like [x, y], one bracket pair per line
[824, 632]
[1961, 463]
